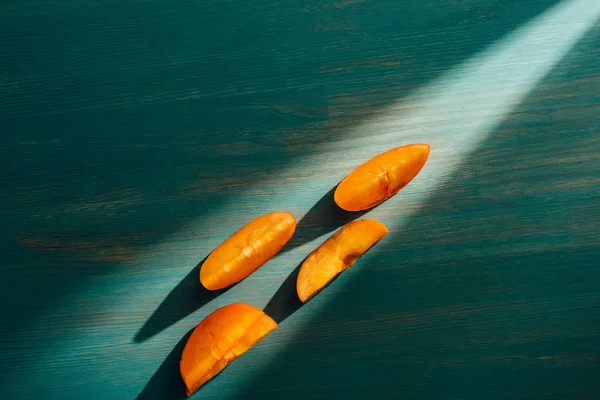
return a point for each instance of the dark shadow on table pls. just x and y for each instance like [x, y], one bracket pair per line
[285, 301]
[166, 383]
[324, 217]
[187, 297]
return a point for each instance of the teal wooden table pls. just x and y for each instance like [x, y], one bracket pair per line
[136, 136]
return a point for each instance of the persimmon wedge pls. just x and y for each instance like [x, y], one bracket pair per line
[338, 253]
[219, 339]
[381, 177]
[247, 250]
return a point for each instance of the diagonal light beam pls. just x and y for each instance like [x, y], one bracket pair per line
[457, 112]
[454, 114]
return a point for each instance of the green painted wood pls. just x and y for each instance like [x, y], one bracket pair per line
[136, 136]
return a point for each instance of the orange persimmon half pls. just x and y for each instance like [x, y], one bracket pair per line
[247, 250]
[338, 253]
[381, 177]
[219, 339]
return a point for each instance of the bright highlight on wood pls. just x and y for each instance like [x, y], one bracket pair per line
[219, 339]
[381, 177]
[337, 254]
[247, 250]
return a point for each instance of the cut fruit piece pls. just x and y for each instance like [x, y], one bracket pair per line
[219, 339]
[381, 177]
[247, 250]
[337, 254]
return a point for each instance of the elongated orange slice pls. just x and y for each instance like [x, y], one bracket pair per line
[337, 254]
[219, 339]
[381, 177]
[247, 250]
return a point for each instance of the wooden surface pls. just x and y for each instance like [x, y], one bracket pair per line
[136, 136]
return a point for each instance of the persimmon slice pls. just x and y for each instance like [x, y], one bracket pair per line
[381, 177]
[338, 253]
[219, 339]
[247, 250]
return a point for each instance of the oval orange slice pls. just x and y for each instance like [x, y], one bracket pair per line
[219, 339]
[381, 177]
[338, 253]
[247, 250]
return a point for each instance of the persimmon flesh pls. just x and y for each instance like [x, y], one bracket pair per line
[247, 250]
[338, 253]
[219, 339]
[381, 177]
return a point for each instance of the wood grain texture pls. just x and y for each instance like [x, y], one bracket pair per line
[136, 136]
